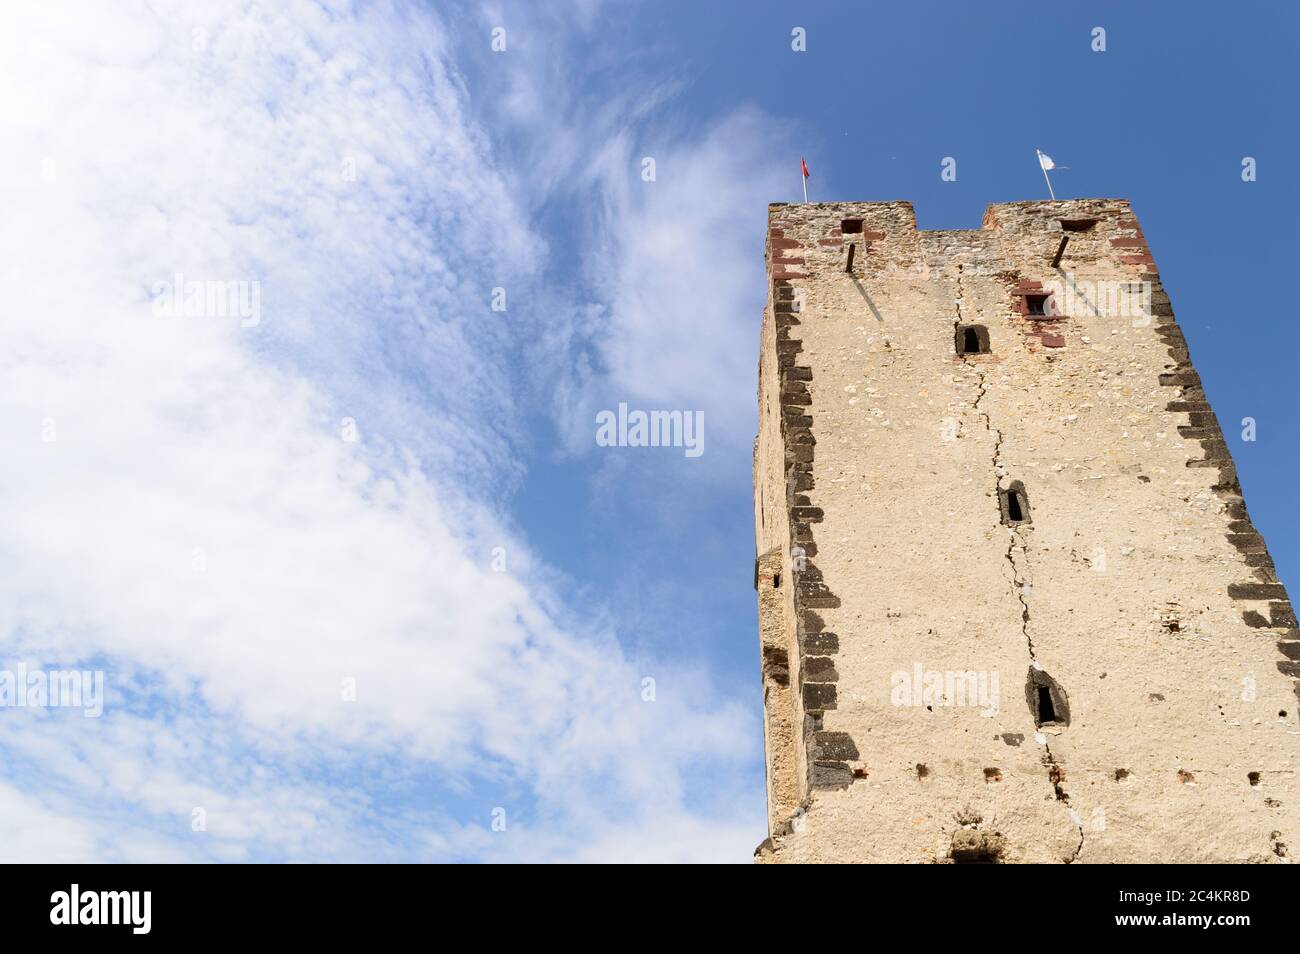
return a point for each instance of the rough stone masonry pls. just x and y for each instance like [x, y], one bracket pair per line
[1012, 607]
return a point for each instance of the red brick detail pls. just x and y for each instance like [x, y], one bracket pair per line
[868, 236]
[776, 233]
[1020, 296]
[788, 261]
[830, 241]
[1137, 259]
[1128, 242]
[1053, 341]
[785, 243]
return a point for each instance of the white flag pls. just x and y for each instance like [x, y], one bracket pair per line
[1045, 161]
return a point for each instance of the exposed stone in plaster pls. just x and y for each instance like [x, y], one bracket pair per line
[1138, 590]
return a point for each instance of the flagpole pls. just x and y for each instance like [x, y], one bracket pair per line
[1044, 168]
[803, 176]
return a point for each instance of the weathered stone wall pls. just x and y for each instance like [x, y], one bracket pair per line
[1134, 597]
[776, 611]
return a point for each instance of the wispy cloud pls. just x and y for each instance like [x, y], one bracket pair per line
[679, 261]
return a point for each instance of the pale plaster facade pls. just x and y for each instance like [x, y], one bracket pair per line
[1134, 598]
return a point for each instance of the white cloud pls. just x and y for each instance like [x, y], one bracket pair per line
[680, 260]
[199, 528]
[675, 268]
[29, 830]
[672, 269]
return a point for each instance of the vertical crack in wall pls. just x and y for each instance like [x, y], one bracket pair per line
[1015, 536]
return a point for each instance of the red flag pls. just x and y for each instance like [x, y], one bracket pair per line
[803, 165]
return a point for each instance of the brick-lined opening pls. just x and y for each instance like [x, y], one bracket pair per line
[1078, 225]
[1033, 301]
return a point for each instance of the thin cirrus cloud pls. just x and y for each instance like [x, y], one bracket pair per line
[683, 276]
[199, 527]
[661, 303]
[673, 273]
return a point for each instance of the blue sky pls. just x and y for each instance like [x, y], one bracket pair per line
[208, 531]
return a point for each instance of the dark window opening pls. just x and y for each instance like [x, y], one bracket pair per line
[851, 226]
[1046, 699]
[1078, 225]
[776, 581]
[1015, 504]
[1046, 711]
[972, 339]
[1036, 304]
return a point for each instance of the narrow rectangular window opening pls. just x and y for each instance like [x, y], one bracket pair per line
[1046, 711]
[776, 581]
[851, 226]
[1014, 505]
[1036, 304]
[1078, 225]
[972, 339]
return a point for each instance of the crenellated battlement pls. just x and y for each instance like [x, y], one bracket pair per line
[883, 237]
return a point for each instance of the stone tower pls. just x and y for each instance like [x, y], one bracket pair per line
[1012, 607]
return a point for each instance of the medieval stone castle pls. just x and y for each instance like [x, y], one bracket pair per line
[1012, 606]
